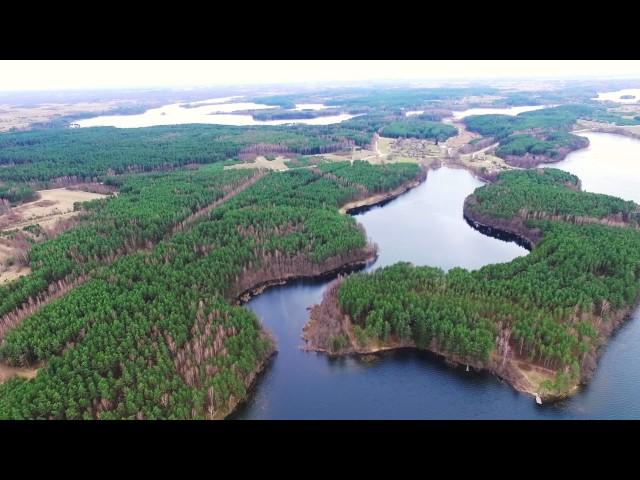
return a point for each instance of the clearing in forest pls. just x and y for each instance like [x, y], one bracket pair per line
[51, 207]
[277, 164]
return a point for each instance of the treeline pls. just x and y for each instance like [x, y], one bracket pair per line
[374, 178]
[17, 193]
[361, 100]
[544, 191]
[550, 144]
[279, 114]
[153, 335]
[416, 128]
[549, 307]
[501, 126]
[542, 132]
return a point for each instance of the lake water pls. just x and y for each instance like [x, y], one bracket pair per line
[615, 96]
[425, 226]
[499, 111]
[485, 111]
[610, 164]
[214, 111]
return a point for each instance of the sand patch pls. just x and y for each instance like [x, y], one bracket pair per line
[7, 372]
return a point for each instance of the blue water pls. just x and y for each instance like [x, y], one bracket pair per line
[424, 226]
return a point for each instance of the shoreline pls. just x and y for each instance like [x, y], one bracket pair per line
[246, 295]
[513, 370]
[380, 199]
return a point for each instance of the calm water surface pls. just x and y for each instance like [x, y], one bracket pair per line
[615, 96]
[425, 226]
[214, 111]
[610, 164]
[485, 111]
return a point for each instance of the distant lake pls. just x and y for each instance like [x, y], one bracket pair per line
[485, 111]
[217, 111]
[615, 96]
[499, 111]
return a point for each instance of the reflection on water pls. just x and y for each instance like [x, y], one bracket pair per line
[426, 227]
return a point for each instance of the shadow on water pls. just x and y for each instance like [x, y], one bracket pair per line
[498, 234]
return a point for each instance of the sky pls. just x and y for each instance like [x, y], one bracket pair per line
[22, 75]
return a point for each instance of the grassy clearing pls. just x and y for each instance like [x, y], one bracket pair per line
[278, 164]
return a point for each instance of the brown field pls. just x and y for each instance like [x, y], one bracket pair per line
[462, 138]
[7, 372]
[52, 207]
[21, 118]
[480, 160]
[52, 203]
[261, 162]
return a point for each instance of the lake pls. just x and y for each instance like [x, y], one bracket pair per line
[485, 111]
[216, 111]
[610, 164]
[425, 226]
[615, 96]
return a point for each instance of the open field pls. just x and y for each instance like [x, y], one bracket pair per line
[462, 138]
[21, 118]
[278, 164]
[6, 372]
[484, 162]
[54, 203]
[47, 211]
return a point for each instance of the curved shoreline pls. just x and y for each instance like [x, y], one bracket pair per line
[500, 229]
[381, 199]
[246, 295]
[350, 267]
[512, 370]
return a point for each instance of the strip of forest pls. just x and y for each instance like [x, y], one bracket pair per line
[156, 335]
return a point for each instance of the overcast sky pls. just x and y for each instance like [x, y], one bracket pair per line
[16, 75]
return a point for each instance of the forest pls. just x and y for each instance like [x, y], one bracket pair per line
[418, 128]
[155, 333]
[16, 193]
[147, 208]
[375, 179]
[92, 153]
[542, 132]
[280, 114]
[551, 306]
[551, 192]
[361, 100]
